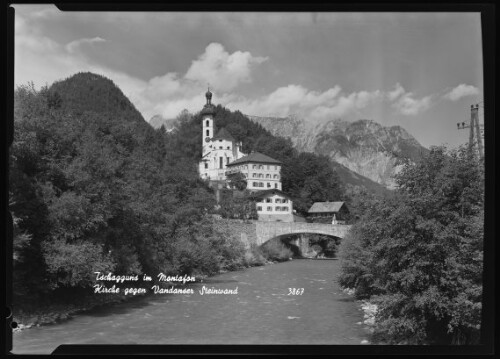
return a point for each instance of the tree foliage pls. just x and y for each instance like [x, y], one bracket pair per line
[418, 255]
[94, 188]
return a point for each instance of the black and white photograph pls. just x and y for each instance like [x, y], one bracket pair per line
[247, 178]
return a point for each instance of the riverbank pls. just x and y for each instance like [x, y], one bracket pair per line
[370, 312]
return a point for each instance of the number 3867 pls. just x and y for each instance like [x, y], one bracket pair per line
[295, 291]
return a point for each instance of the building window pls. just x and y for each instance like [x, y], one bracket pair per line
[285, 209]
[275, 185]
[278, 209]
[259, 208]
[261, 184]
[220, 147]
[269, 209]
[208, 133]
[285, 201]
[268, 176]
[228, 147]
[206, 165]
[255, 184]
[269, 200]
[227, 160]
[277, 200]
[268, 185]
[208, 123]
[221, 162]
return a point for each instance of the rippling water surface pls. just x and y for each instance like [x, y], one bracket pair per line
[261, 313]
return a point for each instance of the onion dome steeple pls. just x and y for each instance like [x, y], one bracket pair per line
[208, 95]
[209, 108]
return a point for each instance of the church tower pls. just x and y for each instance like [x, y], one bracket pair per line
[207, 115]
[220, 148]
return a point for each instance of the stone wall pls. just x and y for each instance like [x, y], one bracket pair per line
[244, 230]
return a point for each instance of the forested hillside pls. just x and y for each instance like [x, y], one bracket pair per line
[92, 189]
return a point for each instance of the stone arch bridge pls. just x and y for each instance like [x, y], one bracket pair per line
[259, 232]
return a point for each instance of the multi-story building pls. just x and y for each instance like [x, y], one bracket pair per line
[261, 172]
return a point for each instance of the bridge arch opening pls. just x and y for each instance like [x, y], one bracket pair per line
[305, 244]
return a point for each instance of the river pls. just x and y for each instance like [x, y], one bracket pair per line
[262, 312]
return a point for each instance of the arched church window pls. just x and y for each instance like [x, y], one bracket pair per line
[208, 133]
[208, 123]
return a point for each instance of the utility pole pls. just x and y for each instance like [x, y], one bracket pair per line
[475, 134]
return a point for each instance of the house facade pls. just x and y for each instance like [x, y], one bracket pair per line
[274, 205]
[261, 172]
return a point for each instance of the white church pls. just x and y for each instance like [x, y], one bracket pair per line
[223, 155]
[218, 149]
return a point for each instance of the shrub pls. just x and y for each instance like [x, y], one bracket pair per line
[276, 250]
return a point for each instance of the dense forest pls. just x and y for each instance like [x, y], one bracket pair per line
[419, 254]
[93, 187]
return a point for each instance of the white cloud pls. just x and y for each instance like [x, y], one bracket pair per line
[409, 106]
[222, 70]
[313, 105]
[73, 46]
[394, 94]
[460, 91]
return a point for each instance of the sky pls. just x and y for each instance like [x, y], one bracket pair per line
[421, 71]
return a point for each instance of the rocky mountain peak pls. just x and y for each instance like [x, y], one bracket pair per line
[363, 146]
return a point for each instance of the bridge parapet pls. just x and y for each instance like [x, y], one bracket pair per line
[259, 232]
[268, 230]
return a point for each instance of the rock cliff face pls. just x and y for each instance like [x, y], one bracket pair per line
[363, 146]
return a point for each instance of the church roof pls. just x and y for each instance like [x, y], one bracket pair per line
[208, 109]
[254, 157]
[223, 134]
[322, 207]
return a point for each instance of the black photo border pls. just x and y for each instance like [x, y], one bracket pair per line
[487, 9]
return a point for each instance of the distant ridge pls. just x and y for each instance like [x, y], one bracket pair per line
[363, 146]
